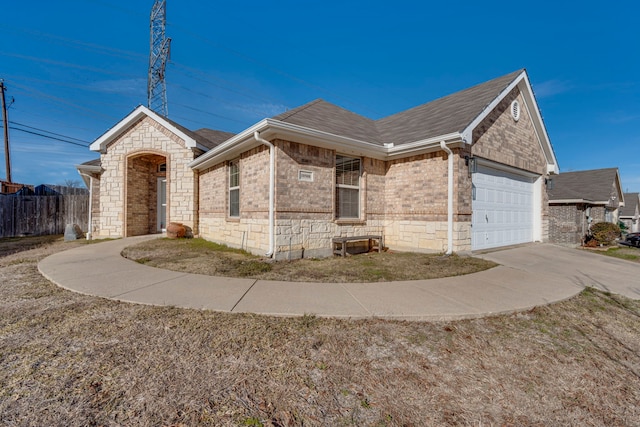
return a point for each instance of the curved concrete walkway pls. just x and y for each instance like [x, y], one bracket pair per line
[528, 276]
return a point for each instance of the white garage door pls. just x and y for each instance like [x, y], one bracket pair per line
[503, 208]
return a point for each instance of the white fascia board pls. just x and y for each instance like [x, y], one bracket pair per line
[467, 133]
[534, 112]
[89, 168]
[230, 148]
[619, 187]
[344, 145]
[275, 129]
[424, 146]
[538, 125]
[101, 143]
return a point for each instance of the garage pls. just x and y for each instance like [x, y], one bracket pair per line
[506, 207]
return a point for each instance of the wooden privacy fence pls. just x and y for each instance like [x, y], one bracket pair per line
[41, 215]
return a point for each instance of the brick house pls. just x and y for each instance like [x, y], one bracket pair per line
[630, 213]
[464, 172]
[578, 199]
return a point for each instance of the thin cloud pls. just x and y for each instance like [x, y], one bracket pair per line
[551, 87]
[621, 117]
[122, 86]
[260, 110]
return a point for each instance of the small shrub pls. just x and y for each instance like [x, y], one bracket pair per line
[605, 233]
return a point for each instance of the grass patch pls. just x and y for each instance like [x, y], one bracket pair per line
[204, 257]
[627, 253]
[74, 360]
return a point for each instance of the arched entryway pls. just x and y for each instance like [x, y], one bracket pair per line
[147, 194]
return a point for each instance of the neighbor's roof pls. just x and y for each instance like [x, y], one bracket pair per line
[591, 185]
[631, 201]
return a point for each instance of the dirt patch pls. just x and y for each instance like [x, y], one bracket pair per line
[203, 257]
[74, 360]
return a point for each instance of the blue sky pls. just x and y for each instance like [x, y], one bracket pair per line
[75, 68]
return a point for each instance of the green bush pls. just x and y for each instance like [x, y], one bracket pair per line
[605, 233]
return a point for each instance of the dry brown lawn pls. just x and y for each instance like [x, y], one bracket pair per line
[73, 360]
[203, 257]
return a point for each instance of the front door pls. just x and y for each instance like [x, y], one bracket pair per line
[162, 205]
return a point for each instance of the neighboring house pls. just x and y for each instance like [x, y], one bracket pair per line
[630, 213]
[578, 199]
[12, 187]
[464, 172]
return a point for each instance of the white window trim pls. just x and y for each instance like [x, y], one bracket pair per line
[352, 187]
[233, 188]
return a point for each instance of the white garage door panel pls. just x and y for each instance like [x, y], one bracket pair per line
[502, 209]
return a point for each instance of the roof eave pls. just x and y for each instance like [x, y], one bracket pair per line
[89, 168]
[428, 145]
[275, 129]
[230, 148]
[585, 201]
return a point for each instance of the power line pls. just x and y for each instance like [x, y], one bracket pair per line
[47, 131]
[103, 50]
[67, 64]
[48, 136]
[244, 123]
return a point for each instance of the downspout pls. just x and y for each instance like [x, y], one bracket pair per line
[90, 226]
[272, 164]
[443, 145]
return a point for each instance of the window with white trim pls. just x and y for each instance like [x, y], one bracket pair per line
[347, 187]
[234, 189]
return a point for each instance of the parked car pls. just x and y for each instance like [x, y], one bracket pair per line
[633, 239]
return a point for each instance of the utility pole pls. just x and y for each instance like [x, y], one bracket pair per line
[5, 121]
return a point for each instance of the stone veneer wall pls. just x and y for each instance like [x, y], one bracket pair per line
[416, 204]
[251, 230]
[95, 204]
[305, 219]
[146, 137]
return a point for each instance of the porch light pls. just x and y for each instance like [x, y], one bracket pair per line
[470, 162]
[549, 183]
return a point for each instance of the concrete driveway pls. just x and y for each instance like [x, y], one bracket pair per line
[580, 267]
[528, 276]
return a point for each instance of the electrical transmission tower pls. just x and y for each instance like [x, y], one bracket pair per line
[158, 57]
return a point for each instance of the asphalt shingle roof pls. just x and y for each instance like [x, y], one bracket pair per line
[630, 203]
[446, 115]
[324, 116]
[94, 162]
[213, 138]
[593, 185]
